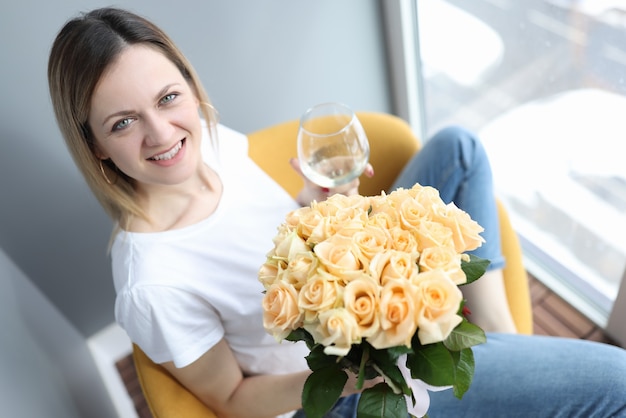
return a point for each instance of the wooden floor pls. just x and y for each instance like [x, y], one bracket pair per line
[551, 315]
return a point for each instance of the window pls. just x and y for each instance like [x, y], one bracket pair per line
[543, 83]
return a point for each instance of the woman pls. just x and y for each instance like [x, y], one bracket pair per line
[191, 236]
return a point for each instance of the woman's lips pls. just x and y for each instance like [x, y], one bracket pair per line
[168, 155]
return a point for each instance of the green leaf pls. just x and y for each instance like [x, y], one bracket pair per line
[433, 364]
[388, 355]
[317, 359]
[474, 268]
[397, 351]
[301, 334]
[465, 335]
[464, 372]
[387, 361]
[322, 389]
[381, 402]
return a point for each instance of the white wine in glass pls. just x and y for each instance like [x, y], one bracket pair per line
[332, 146]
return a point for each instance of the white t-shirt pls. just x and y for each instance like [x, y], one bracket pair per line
[179, 292]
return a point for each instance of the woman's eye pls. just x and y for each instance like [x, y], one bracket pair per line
[167, 98]
[122, 124]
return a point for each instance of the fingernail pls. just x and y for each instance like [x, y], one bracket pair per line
[325, 189]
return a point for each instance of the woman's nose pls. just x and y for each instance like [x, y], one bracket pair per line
[159, 130]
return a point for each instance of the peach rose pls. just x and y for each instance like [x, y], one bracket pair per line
[341, 201]
[326, 218]
[268, 273]
[403, 240]
[376, 203]
[328, 207]
[386, 220]
[394, 265]
[299, 268]
[345, 222]
[281, 314]
[307, 222]
[320, 293]
[432, 234]
[371, 240]
[350, 228]
[337, 255]
[399, 305]
[412, 214]
[336, 330]
[444, 258]
[283, 231]
[348, 222]
[441, 299]
[293, 218]
[427, 196]
[289, 246]
[465, 231]
[322, 231]
[361, 299]
[398, 197]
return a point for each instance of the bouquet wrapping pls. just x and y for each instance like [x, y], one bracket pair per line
[372, 286]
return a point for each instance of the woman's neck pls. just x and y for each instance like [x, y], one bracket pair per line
[173, 207]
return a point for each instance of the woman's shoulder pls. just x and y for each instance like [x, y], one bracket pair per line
[227, 142]
[231, 136]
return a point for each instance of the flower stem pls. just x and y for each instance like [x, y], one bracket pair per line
[389, 382]
[365, 356]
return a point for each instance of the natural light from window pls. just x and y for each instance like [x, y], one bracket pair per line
[543, 82]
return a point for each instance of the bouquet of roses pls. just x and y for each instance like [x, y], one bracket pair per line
[371, 284]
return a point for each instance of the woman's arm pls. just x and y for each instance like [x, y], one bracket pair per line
[216, 379]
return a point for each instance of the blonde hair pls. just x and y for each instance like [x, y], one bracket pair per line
[81, 52]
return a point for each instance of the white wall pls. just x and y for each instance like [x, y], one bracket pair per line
[262, 62]
[46, 368]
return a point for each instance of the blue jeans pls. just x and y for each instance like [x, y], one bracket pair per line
[454, 162]
[532, 376]
[344, 408]
[537, 376]
[516, 375]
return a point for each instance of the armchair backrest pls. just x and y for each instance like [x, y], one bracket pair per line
[392, 144]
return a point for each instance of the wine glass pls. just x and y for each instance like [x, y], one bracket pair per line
[332, 146]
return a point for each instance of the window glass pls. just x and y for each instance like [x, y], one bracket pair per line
[544, 85]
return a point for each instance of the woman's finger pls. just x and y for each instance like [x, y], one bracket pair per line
[295, 164]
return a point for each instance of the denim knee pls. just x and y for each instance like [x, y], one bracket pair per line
[462, 141]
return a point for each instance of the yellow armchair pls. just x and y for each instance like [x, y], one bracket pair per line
[392, 143]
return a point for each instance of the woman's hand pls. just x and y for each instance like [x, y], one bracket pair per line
[350, 386]
[312, 191]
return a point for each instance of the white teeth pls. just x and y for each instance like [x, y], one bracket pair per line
[170, 154]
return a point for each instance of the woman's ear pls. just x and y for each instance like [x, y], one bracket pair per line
[99, 154]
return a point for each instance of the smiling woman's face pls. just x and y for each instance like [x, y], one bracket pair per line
[144, 116]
